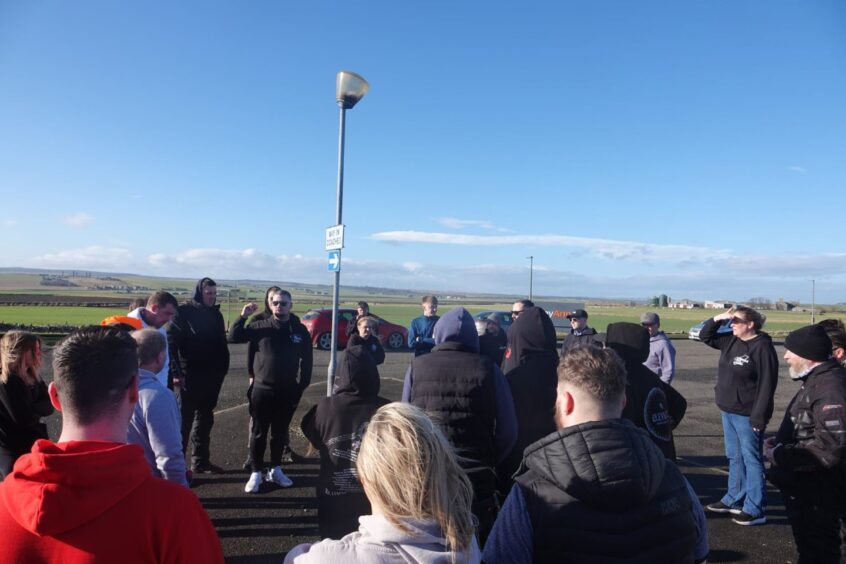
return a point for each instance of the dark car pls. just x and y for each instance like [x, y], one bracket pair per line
[319, 325]
[504, 318]
[693, 333]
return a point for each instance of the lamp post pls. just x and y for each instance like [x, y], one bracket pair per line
[349, 89]
[813, 301]
[531, 272]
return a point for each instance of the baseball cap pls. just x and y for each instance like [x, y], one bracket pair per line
[578, 313]
[650, 318]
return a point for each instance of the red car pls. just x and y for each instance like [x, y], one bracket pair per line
[319, 325]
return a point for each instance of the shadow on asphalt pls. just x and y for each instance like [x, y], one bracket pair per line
[726, 556]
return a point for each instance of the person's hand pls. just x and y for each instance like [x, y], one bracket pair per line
[249, 309]
[177, 382]
[769, 450]
[727, 314]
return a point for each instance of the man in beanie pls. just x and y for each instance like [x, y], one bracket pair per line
[807, 454]
[662, 353]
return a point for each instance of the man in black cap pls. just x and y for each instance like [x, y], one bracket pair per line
[580, 333]
[807, 454]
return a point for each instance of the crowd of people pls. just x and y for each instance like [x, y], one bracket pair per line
[504, 447]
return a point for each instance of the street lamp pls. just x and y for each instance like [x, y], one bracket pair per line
[531, 272]
[349, 89]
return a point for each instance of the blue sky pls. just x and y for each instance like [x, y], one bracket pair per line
[632, 147]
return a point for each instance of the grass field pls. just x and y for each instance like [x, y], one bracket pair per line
[672, 320]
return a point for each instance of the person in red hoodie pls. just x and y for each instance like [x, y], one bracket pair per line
[90, 497]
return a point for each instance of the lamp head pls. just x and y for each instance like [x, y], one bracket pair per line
[350, 88]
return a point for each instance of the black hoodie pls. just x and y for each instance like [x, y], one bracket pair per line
[531, 363]
[747, 374]
[199, 350]
[650, 403]
[335, 427]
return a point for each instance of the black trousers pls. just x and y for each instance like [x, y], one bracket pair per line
[7, 461]
[816, 529]
[272, 411]
[197, 407]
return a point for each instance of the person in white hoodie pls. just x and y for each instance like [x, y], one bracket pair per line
[156, 423]
[419, 494]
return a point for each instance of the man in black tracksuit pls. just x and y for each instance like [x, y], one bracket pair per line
[200, 361]
[283, 364]
[651, 404]
[808, 454]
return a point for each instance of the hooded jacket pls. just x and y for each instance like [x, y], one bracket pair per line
[810, 459]
[200, 352]
[586, 336]
[747, 374]
[464, 391]
[530, 366]
[284, 357]
[21, 410]
[662, 357]
[88, 501]
[602, 492]
[335, 427]
[372, 344]
[378, 541]
[650, 403]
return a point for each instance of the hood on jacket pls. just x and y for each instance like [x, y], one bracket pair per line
[59, 487]
[607, 464]
[659, 336]
[357, 373]
[198, 291]
[629, 340]
[531, 334]
[457, 325]
[422, 543]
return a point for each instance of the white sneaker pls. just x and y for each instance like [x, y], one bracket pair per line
[253, 483]
[278, 477]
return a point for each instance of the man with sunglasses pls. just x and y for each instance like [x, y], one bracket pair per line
[282, 372]
[580, 333]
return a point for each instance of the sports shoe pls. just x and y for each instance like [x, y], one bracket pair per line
[746, 519]
[254, 483]
[278, 477]
[720, 507]
[205, 467]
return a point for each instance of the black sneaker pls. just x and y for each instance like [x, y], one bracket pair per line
[746, 519]
[720, 507]
[205, 467]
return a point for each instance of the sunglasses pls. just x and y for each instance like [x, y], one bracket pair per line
[646, 325]
[515, 313]
[283, 304]
[738, 320]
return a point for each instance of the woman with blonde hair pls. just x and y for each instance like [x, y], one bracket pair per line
[23, 397]
[419, 494]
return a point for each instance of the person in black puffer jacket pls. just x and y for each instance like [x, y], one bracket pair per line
[597, 489]
[651, 404]
[531, 360]
[335, 427]
[366, 336]
[200, 361]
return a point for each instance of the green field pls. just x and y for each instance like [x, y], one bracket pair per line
[676, 321]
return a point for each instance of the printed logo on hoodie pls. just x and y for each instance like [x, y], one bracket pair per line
[740, 360]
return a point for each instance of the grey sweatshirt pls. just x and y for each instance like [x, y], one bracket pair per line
[156, 427]
[662, 357]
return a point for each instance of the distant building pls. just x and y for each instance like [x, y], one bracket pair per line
[685, 304]
[717, 305]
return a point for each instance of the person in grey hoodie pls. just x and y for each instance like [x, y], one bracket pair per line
[156, 423]
[419, 494]
[662, 353]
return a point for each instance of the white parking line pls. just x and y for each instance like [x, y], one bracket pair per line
[245, 404]
[704, 466]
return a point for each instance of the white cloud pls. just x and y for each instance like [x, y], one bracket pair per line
[797, 169]
[9, 223]
[603, 248]
[114, 259]
[78, 220]
[455, 223]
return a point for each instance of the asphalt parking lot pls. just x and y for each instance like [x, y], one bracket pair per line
[263, 527]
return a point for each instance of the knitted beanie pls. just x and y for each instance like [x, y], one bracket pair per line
[810, 342]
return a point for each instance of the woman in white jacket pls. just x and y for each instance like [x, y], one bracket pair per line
[419, 495]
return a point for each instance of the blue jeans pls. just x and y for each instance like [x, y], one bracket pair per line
[747, 487]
